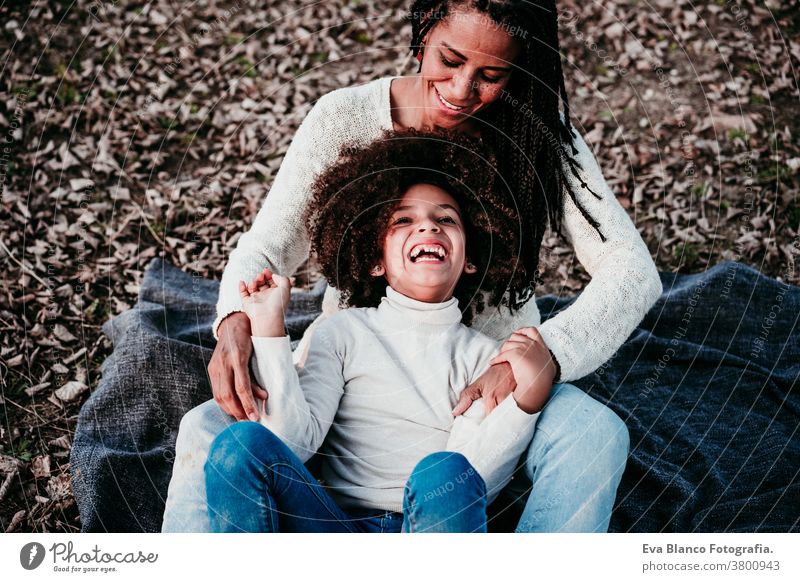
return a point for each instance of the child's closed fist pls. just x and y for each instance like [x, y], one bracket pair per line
[265, 301]
[533, 367]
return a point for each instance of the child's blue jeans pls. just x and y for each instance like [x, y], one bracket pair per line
[568, 478]
[255, 483]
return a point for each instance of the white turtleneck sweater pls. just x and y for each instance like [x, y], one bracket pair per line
[624, 285]
[378, 387]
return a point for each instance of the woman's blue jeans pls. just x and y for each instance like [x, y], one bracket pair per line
[568, 477]
[255, 483]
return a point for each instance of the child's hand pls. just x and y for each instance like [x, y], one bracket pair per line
[265, 301]
[532, 365]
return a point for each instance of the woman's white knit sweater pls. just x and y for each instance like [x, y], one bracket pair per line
[624, 285]
[378, 387]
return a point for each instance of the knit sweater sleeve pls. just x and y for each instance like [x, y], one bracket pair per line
[625, 282]
[494, 444]
[302, 403]
[278, 239]
[624, 285]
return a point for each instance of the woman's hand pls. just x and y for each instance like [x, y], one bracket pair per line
[533, 366]
[494, 386]
[229, 369]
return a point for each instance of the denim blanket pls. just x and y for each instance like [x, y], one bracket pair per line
[707, 384]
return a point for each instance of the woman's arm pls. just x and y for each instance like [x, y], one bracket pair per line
[277, 240]
[624, 286]
[301, 405]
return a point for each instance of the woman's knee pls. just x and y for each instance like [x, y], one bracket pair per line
[202, 424]
[575, 419]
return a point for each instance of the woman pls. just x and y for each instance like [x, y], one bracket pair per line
[492, 70]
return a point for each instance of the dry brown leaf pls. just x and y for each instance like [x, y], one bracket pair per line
[40, 466]
[71, 390]
[33, 390]
[80, 184]
[63, 334]
[62, 442]
[16, 520]
[58, 487]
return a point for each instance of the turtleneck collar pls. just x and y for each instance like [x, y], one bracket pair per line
[410, 312]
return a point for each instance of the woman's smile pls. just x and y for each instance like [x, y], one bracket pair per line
[448, 107]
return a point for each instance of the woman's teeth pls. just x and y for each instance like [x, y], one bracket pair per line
[447, 104]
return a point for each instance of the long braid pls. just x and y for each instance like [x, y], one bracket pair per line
[534, 147]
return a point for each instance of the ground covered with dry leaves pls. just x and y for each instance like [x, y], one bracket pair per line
[135, 129]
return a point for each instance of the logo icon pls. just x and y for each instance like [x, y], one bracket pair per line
[31, 555]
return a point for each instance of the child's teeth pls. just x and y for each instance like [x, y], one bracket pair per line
[436, 250]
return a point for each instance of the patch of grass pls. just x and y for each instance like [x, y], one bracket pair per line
[24, 450]
[699, 189]
[97, 311]
[737, 132]
[362, 37]
[233, 39]
[246, 67]
[15, 386]
[724, 205]
[601, 70]
[67, 94]
[774, 172]
[188, 138]
[606, 115]
[752, 68]
[111, 51]
[756, 99]
[29, 90]
[194, 108]
[167, 123]
[686, 252]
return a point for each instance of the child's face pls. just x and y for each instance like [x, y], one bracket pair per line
[426, 218]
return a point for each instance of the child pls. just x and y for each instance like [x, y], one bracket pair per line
[380, 380]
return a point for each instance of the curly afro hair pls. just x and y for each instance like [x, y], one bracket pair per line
[353, 200]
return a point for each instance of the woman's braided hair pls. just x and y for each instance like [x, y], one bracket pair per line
[529, 141]
[353, 200]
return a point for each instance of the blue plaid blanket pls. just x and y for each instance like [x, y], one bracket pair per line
[707, 384]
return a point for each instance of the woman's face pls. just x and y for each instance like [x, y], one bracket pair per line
[424, 252]
[466, 65]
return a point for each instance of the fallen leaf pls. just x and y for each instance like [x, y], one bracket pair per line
[71, 390]
[40, 466]
[58, 487]
[63, 334]
[80, 184]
